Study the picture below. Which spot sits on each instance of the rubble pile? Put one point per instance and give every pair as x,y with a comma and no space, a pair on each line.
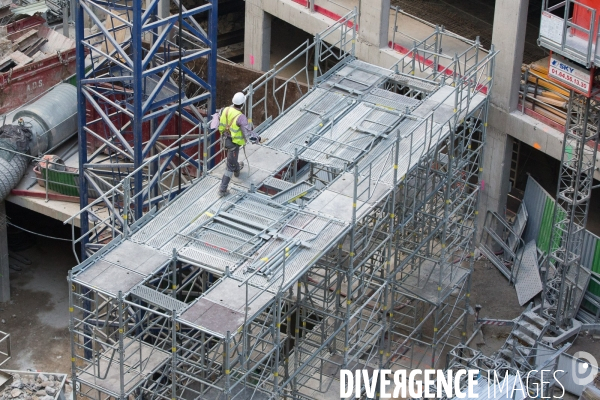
33,387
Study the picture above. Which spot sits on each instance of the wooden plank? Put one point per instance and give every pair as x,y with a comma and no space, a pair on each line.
20,58
540,109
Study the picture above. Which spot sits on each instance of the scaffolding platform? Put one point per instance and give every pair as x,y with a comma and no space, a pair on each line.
121,269
344,242
432,282
224,309
260,164
140,361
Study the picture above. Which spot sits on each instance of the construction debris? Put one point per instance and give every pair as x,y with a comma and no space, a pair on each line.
33,386
33,59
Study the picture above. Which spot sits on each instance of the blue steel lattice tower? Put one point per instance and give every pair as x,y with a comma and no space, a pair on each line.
144,78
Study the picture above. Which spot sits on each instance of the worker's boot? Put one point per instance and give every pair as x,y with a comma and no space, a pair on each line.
237,173
224,183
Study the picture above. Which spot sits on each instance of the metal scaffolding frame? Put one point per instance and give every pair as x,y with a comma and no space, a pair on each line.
351,248
496,374
131,108
566,279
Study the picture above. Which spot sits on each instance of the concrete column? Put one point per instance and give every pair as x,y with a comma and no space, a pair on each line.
374,22
509,40
257,37
162,12
4,267
508,37
496,172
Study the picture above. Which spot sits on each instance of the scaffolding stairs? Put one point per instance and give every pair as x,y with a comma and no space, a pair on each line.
531,335
519,350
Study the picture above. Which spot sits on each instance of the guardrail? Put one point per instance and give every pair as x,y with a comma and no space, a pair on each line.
543,99
569,28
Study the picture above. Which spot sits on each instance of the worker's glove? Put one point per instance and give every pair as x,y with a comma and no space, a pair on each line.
254,140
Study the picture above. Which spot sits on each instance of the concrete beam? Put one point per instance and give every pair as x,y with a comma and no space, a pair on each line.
508,37
257,37
313,23
532,132
374,22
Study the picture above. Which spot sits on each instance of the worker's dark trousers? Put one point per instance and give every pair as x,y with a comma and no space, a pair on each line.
232,165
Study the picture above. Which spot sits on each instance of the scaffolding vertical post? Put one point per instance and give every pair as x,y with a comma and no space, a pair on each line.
121,350
173,354
174,273
72,333
317,55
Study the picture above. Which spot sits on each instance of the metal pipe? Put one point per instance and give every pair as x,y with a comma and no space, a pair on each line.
40,126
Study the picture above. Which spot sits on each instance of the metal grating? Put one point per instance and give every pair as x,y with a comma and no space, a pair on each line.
226,242
212,258
528,283
278,183
175,208
291,114
295,127
390,99
352,136
178,223
293,193
158,299
415,83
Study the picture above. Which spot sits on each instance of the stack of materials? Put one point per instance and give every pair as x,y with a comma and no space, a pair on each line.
546,98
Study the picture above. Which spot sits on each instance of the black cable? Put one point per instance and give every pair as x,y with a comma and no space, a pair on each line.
38,234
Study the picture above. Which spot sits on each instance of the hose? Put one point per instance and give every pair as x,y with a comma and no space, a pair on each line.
11,170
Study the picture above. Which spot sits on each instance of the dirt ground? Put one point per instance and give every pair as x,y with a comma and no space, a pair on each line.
498,300
37,317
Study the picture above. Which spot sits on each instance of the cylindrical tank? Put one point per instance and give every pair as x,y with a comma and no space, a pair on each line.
45,123
53,117
582,17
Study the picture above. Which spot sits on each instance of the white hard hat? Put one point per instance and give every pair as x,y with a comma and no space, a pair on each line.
239,98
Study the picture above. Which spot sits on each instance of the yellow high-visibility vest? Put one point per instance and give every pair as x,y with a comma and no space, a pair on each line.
228,122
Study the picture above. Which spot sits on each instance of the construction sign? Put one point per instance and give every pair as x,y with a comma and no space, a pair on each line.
568,73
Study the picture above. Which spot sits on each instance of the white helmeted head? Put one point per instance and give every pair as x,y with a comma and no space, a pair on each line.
238,99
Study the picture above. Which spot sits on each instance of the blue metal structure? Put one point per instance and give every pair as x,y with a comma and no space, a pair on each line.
134,69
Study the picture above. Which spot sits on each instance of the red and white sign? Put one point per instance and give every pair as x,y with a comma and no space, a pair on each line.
576,77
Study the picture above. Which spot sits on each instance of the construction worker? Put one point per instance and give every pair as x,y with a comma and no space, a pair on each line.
234,128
